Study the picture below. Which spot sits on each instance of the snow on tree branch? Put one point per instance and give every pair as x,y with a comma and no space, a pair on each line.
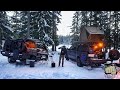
9,28
46,23
47,38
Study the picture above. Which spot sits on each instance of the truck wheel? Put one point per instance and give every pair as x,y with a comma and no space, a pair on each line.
79,63
46,56
67,58
32,63
10,60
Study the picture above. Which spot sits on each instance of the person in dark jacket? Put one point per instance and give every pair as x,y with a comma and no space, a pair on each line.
62,55
16,50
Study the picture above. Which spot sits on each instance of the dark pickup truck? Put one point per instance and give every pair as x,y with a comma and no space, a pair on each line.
24,50
89,48
81,54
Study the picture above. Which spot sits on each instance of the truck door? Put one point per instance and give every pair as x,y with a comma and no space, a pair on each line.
70,52
82,52
78,51
73,53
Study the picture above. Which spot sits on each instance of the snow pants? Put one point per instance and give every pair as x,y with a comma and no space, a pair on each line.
15,54
61,57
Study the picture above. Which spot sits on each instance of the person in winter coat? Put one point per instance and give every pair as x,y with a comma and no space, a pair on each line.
62,55
16,50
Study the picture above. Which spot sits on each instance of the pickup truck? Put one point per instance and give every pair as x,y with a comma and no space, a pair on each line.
80,53
24,50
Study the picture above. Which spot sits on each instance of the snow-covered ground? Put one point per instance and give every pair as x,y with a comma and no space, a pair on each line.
45,71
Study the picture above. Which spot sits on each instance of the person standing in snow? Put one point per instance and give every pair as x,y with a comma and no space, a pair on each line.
62,55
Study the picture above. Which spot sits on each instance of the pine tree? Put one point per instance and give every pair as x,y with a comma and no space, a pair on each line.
55,21
24,24
36,25
105,26
76,26
5,30
115,28
41,23
15,21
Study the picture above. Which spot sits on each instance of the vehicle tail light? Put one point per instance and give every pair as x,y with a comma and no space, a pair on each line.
95,47
100,45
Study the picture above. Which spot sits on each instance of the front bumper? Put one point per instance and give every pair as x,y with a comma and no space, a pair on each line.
5,53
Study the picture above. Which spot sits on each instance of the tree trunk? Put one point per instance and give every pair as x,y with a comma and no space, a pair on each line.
1,39
53,45
54,33
28,27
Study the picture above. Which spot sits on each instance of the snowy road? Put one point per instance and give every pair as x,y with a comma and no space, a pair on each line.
44,71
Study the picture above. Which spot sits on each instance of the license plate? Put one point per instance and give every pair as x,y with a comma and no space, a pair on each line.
91,55
96,59
43,56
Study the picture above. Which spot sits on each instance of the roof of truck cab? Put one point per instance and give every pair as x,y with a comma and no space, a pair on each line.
94,30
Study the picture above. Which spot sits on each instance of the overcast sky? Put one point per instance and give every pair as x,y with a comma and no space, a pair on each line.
66,21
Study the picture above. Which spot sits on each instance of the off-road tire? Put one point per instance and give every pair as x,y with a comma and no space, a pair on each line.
32,63
10,60
79,63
